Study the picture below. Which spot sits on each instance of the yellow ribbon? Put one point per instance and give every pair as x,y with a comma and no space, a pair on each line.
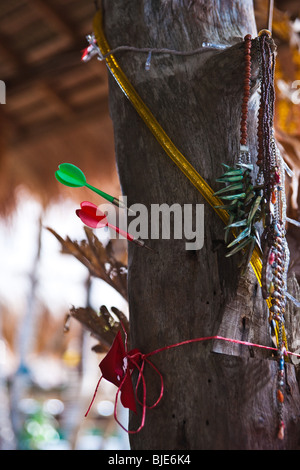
183,164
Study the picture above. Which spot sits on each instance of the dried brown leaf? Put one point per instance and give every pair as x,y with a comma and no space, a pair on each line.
102,326
99,260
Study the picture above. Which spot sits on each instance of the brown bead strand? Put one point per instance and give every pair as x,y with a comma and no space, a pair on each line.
260,154
275,231
246,90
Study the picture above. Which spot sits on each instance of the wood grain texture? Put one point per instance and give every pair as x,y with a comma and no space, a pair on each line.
216,397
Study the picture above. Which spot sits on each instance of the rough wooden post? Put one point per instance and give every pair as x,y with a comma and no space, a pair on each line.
216,396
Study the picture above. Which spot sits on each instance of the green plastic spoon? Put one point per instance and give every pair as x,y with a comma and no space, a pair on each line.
70,175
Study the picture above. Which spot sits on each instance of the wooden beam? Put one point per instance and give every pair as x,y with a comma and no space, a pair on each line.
63,62
10,54
58,21
97,111
32,74
62,106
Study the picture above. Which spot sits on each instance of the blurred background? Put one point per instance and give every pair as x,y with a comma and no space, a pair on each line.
56,111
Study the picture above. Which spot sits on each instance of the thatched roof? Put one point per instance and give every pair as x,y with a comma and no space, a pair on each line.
56,106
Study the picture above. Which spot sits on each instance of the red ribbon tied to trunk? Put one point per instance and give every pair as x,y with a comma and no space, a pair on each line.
117,367
119,364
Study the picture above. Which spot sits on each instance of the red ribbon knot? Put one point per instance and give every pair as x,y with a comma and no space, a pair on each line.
117,367
119,364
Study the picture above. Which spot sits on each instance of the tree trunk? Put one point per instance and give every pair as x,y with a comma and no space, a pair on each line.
216,395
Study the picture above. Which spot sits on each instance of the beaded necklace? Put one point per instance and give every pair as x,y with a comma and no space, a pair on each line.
262,201
274,244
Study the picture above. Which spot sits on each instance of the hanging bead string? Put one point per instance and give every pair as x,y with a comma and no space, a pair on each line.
270,176
246,91
275,257
266,109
